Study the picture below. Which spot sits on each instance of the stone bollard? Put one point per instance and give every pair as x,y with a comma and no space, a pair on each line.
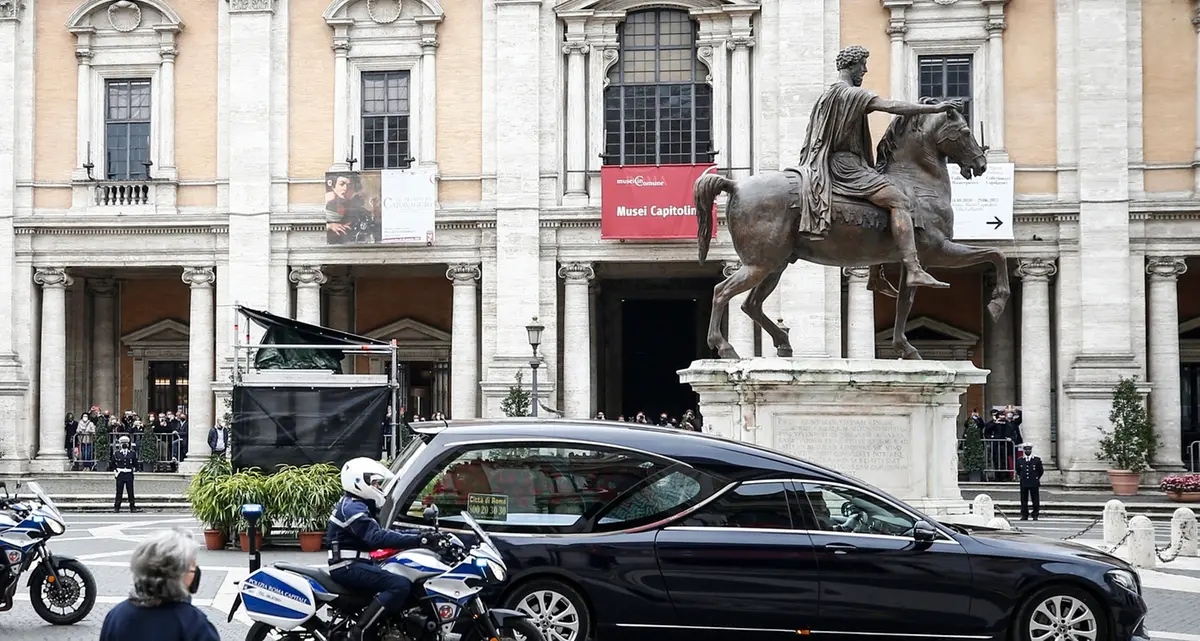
1183,526
1140,545
999,524
1116,522
983,507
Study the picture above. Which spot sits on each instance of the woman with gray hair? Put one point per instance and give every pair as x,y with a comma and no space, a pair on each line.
160,607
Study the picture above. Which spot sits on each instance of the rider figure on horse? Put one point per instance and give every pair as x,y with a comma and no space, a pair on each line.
837,159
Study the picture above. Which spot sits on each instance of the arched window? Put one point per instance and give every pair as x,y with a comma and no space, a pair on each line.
657,106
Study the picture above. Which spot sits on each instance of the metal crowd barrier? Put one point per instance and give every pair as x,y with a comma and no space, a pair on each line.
1192,456
999,458
168,450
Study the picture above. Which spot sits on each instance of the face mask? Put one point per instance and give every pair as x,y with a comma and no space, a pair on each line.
195,585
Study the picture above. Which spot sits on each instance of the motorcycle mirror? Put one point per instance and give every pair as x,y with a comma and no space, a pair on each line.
431,514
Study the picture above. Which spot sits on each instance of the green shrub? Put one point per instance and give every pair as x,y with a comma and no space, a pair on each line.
1132,443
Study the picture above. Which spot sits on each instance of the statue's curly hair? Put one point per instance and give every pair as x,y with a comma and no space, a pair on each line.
851,56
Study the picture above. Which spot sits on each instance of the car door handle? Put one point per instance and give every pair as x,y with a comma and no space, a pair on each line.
840,548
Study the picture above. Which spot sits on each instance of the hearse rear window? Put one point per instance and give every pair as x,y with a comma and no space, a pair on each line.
536,488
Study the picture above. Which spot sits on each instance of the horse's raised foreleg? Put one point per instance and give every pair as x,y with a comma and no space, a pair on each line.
753,308
878,282
746,277
952,254
904,303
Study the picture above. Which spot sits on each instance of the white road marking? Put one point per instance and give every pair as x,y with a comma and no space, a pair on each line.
1162,581
226,594
1175,636
113,600
103,555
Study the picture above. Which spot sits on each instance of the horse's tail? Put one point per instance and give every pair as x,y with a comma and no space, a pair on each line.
705,194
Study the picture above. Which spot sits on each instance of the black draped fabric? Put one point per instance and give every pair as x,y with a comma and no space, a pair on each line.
286,331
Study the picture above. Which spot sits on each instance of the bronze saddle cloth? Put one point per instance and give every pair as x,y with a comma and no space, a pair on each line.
848,211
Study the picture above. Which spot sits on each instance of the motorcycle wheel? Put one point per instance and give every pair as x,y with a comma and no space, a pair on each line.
514,630
74,582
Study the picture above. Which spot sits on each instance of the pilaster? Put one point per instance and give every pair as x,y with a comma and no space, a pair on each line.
996,26
576,50
860,314
740,134
577,334
103,292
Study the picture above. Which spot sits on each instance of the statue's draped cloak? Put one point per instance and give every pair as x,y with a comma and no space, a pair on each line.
837,156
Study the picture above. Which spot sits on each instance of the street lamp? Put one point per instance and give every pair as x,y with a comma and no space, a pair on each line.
535,338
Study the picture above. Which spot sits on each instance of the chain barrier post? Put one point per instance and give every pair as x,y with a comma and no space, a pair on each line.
999,524
984,507
1184,531
1116,523
1142,552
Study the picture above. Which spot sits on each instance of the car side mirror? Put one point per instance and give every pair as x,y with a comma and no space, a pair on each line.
923,532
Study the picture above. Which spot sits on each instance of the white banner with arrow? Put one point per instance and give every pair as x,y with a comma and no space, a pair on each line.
983,206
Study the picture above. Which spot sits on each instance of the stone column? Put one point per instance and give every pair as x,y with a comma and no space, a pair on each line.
1000,353
741,326
577,337
201,354
52,392
308,280
897,28
739,106
165,168
104,342
464,341
341,310
1164,274
576,122
83,115
860,314
428,152
341,105
995,85
1035,352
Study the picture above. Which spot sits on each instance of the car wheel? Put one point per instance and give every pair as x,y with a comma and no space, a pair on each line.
1061,613
556,608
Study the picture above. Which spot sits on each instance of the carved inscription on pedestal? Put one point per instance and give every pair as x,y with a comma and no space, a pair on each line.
875,449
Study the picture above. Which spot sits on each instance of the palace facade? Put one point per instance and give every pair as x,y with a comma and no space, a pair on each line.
162,161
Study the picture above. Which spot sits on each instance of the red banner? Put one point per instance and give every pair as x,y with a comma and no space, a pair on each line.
649,201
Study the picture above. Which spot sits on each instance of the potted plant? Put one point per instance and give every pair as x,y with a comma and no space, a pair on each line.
245,487
518,401
973,460
1131,444
1182,488
324,487
202,495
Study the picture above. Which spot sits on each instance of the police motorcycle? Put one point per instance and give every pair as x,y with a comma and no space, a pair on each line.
285,600
61,589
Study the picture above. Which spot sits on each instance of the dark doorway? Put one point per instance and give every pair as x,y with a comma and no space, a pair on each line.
659,340
649,329
168,388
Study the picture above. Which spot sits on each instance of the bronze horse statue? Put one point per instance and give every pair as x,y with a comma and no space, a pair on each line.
764,228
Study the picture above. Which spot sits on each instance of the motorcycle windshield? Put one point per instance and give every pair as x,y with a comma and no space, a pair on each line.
474,525
46,500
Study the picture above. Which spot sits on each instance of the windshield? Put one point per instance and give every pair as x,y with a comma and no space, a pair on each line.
474,525
41,496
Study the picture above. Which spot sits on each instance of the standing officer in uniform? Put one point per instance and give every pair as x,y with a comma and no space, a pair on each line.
1029,472
123,462
353,533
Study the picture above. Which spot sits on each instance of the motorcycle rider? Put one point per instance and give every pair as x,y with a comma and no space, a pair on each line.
354,533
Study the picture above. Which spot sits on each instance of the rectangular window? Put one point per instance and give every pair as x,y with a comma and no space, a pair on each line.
842,509
385,111
658,106
762,506
946,77
127,115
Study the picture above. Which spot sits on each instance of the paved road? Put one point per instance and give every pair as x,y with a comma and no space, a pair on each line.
104,542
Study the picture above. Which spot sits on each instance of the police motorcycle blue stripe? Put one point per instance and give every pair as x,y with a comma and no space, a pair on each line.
413,564
263,581
259,606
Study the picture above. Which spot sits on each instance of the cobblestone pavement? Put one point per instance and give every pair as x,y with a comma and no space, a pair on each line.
104,542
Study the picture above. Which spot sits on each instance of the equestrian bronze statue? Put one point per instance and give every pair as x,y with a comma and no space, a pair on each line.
839,208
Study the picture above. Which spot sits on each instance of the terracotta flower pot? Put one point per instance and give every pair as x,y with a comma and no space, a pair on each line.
245,541
215,540
1184,497
1124,482
311,541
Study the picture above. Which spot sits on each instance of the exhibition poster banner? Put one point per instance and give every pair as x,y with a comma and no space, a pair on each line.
650,202
983,205
389,206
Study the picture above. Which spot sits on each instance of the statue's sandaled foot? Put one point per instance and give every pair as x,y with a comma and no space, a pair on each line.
918,277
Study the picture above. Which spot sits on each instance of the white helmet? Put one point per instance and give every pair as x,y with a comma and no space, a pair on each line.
366,478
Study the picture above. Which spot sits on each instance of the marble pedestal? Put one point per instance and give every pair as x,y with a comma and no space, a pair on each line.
889,423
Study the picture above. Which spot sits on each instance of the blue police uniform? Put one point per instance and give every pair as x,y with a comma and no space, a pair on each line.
1029,472
353,534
